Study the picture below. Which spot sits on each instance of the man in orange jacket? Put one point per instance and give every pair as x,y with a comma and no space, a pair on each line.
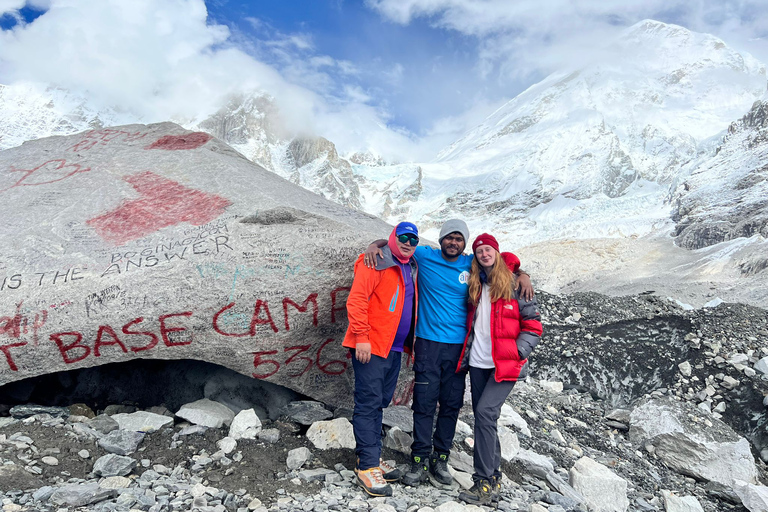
381,308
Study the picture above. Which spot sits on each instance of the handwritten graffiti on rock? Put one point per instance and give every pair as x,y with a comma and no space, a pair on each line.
151,257
104,137
180,142
162,203
12,282
46,173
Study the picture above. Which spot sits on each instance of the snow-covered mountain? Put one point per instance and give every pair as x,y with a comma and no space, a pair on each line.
660,134
726,194
592,152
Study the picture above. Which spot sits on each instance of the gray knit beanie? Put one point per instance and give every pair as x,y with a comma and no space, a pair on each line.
454,226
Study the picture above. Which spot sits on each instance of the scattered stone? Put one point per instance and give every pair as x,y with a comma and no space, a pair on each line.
80,495
753,497
25,411
450,506
551,386
730,383
315,475
685,368
227,445
510,418
306,412
142,421
603,490
115,482
398,416
81,410
113,465
14,478
50,461
269,435
398,440
762,365
335,433
537,464
103,424
674,503
298,457
245,425
121,442
510,445
717,454
206,413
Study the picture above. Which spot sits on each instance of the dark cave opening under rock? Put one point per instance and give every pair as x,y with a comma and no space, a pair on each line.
146,383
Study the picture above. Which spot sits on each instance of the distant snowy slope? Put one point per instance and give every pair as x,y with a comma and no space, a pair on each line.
726,195
590,152
29,112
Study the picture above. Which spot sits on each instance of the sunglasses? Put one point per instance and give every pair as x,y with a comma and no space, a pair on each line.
408,239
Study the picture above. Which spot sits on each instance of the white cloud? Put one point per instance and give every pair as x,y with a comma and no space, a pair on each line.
164,59
527,38
10,6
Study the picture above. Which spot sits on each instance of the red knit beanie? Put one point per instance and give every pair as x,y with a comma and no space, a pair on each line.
485,239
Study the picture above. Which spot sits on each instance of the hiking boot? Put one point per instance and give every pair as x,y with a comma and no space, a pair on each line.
478,494
389,472
438,467
372,481
418,473
495,489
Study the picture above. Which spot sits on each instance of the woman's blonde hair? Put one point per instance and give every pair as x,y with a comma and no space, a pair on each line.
501,281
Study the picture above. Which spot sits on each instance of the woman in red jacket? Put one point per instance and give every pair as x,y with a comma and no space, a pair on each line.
503,329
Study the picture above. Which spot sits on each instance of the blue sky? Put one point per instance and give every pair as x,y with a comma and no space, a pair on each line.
401,77
352,32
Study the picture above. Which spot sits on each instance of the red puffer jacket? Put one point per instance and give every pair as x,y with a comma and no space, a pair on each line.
515,331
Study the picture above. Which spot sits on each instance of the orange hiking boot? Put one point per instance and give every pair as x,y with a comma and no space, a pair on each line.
372,481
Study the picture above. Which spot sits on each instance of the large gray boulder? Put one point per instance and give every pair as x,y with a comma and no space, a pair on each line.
683,438
155,242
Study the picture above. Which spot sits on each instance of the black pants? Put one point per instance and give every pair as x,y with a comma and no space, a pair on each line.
436,382
487,398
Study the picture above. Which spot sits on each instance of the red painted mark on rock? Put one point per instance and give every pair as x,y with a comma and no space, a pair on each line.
163,203
16,325
49,172
177,142
104,137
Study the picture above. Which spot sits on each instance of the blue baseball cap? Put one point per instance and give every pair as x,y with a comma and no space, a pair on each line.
406,228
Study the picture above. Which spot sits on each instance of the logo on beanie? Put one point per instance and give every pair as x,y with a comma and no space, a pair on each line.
464,277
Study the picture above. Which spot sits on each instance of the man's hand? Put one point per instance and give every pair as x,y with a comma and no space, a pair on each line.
369,257
524,285
363,352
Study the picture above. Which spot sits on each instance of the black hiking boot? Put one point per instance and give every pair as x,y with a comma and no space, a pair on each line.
418,473
495,489
478,494
438,468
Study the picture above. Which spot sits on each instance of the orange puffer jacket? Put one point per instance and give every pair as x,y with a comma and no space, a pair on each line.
375,305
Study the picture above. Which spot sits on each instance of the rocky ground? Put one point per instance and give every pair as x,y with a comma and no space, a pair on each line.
602,361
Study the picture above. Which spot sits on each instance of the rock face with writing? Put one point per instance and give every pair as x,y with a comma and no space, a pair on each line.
155,242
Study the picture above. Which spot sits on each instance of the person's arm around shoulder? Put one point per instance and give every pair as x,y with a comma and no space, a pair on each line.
531,328
373,250
524,285
363,285
523,279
